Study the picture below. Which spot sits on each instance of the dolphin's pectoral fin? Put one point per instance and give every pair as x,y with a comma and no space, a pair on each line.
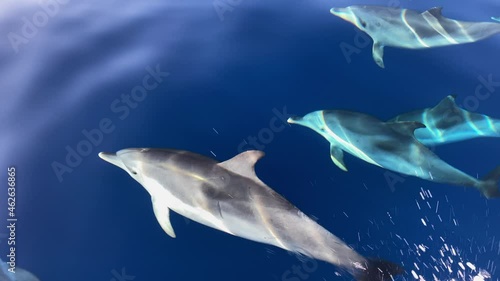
378,54
162,214
337,156
244,163
436,11
406,127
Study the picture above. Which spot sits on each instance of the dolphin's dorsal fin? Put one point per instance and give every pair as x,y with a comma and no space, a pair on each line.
445,106
162,214
244,163
436,11
337,156
406,127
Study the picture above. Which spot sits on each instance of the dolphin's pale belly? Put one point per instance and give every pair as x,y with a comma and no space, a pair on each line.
404,37
410,41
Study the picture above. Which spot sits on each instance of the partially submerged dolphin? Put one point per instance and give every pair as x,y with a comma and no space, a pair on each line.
446,123
19,274
229,196
390,145
409,29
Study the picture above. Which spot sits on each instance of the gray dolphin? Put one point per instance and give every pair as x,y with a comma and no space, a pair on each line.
390,145
409,29
19,274
229,196
446,123
495,18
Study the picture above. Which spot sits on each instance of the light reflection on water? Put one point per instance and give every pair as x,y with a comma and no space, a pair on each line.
81,50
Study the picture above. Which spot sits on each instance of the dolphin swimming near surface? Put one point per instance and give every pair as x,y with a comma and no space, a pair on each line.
496,18
446,123
229,197
390,145
409,29
19,275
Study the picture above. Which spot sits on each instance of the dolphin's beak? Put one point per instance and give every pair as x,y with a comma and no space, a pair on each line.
344,13
295,120
111,158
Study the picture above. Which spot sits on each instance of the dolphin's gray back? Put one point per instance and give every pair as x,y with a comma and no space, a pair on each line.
212,184
365,131
435,30
412,29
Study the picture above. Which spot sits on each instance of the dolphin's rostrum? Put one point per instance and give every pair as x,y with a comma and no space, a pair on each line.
229,196
390,145
409,29
447,123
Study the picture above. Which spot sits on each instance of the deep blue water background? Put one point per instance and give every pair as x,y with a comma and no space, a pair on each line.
226,77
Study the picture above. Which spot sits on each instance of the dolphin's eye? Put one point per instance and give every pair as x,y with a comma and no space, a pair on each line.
363,23
133,173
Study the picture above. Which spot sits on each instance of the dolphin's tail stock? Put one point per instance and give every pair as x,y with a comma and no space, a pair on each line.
379,270
489,184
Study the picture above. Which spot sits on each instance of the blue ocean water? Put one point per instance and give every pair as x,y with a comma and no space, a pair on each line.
226,72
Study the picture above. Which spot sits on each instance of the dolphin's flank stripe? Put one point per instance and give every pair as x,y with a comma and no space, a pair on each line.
268,226
472,125
491,124
434,23
463,30
354,149
405,21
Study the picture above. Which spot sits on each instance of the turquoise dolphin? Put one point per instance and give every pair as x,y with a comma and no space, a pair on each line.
447,123
409,29
389,145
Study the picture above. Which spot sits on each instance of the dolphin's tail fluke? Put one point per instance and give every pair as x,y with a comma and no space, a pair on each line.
379,270
489,184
